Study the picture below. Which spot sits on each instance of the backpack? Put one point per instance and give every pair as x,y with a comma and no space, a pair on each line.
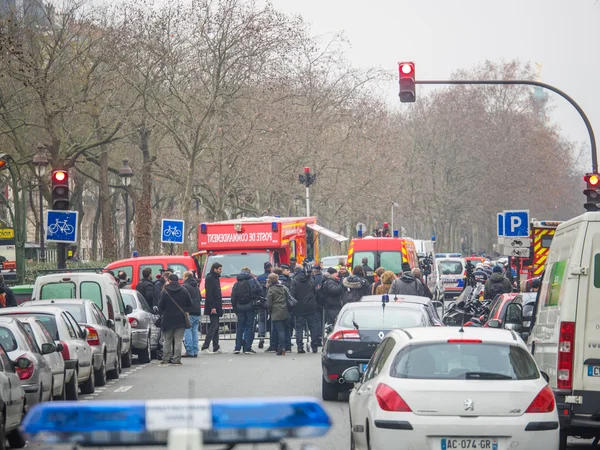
246,298
496,288
320,295
352,295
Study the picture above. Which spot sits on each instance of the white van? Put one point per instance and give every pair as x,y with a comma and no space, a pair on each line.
565,339
102,289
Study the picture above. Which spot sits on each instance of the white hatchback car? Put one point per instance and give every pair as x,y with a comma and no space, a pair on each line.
443,388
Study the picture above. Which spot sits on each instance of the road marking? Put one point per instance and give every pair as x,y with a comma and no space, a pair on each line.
123,389
88,398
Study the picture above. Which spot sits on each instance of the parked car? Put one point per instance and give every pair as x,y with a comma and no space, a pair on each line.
42,336
144,334
100,335
434,308
76,352
102,289
452,272
12,399
36,378
498,310
22,292
332,261
358,330
451,388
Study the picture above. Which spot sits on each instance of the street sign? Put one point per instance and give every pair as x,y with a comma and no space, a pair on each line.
172,231
61,226
516,223
361,226
500,230
519,242
518,252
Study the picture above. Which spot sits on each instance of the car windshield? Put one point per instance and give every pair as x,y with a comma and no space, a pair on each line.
391,261
48,320
61,289
477,361
451,267
374,317
77,311
233,262
129,299
7,339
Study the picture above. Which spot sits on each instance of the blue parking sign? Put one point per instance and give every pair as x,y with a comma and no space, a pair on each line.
516,223
500,224
172,231
61,226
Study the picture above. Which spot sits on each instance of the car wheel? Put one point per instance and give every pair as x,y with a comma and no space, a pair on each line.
15,439
63,392
100,374
145,356
126,359
114,373
90,385
72,388
329,391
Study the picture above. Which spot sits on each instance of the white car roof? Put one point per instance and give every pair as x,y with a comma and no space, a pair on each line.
442,334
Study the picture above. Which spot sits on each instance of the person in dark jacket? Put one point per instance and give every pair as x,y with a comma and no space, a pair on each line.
277,307
318,278
245,291
419,276
191,334
355,288
262,313
407,284
160,283
303,290
123,280
286,277
146,287
369,274
174,302
497,284
10,296
213,308
333,289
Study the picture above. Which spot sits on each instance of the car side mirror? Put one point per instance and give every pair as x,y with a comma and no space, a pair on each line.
545,376
128,309
494,323
110,324
514,314
351,375
22,363
48,348
59,347
328,328
84,333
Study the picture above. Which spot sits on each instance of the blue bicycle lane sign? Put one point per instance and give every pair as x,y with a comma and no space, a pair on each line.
61,226
172,231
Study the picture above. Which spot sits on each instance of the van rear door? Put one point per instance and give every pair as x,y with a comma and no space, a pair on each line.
591,344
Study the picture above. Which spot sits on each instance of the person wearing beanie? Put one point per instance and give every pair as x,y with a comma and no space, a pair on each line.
262,313
497,284
174,302
387,278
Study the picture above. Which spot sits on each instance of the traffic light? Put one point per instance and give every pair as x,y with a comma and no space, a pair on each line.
592,192
408,92
60,190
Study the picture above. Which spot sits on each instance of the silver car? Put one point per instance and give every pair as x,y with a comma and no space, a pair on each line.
12,397
101,336
145,335
36,379
42,336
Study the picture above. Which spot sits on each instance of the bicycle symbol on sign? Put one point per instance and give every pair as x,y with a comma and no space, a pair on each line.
172,231
62,226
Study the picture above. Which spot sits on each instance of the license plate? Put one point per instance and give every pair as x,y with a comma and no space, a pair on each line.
449,280
593,371
469,443
363,368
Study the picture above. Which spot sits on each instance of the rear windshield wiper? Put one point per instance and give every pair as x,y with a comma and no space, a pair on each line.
354,324
486,376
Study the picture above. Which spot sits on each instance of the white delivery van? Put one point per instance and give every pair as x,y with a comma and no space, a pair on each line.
565,339
102,289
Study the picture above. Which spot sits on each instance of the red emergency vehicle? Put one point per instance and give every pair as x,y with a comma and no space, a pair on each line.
387,252
542,233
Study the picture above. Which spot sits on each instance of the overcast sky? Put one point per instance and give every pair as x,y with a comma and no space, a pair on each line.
441,36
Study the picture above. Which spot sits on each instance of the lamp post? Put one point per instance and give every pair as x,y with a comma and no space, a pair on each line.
40,161
125,172
197,188
307,179
394,204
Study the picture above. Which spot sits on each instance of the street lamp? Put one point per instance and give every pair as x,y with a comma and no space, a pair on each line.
125,172
197,188
307,179
40,161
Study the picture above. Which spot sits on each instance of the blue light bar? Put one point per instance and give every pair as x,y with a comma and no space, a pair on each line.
126,422
274,226
396,233
360,233
203,228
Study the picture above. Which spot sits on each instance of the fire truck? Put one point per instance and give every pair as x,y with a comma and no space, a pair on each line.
253,241
541,236
388,252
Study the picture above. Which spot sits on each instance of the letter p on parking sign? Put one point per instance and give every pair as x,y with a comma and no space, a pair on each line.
516,223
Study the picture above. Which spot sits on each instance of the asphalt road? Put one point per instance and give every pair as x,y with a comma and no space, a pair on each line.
229,375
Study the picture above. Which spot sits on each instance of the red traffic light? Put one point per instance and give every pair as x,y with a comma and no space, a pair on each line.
60,175
407,68
594,180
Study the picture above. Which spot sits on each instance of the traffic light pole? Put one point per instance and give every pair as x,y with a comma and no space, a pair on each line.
61,255
564,95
